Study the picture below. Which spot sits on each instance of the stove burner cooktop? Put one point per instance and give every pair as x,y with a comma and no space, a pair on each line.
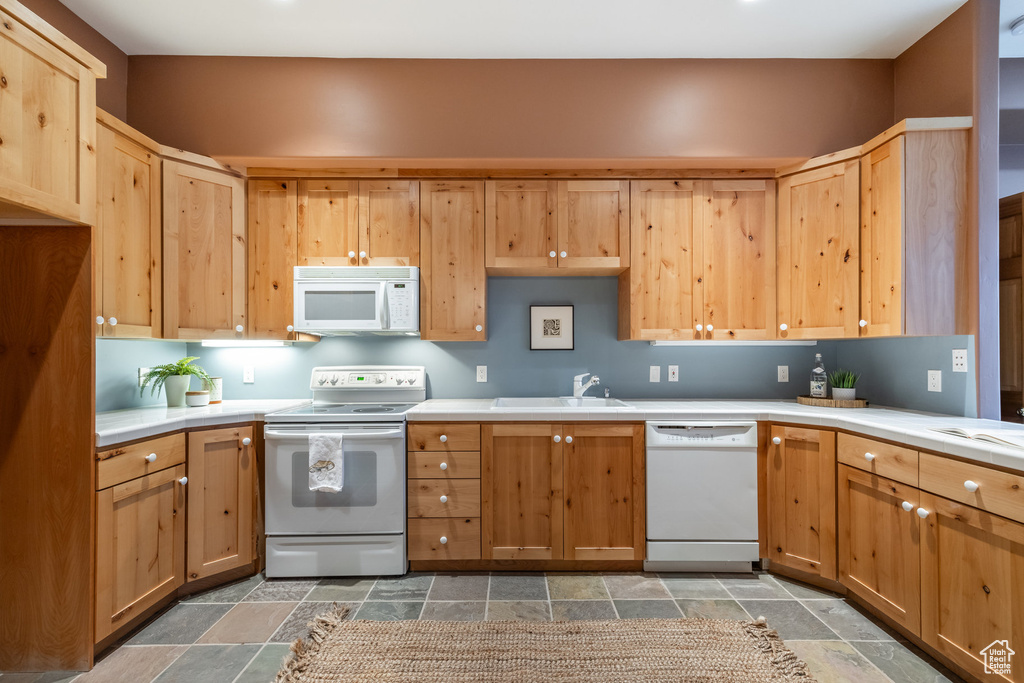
374,409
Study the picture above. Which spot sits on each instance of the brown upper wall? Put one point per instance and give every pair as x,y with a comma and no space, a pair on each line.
935,75
573,109
112,91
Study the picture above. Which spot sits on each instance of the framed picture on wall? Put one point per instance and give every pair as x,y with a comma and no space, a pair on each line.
551,328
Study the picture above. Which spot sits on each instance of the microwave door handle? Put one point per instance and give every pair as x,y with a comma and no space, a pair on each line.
385,318
345,434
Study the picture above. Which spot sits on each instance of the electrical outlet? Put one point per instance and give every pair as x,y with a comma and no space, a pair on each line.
481,373
655,373
248,374
783,373
673,373
142,375
935,380
959,360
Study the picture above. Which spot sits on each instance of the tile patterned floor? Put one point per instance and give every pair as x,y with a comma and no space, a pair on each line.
240,633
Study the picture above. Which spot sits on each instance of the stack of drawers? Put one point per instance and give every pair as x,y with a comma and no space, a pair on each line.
444,491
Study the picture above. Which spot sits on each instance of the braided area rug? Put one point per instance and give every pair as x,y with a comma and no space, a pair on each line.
649,650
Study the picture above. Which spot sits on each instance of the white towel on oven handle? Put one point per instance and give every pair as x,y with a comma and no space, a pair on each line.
326,462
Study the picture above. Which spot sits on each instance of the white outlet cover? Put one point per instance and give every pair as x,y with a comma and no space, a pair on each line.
959,360
935,380
673,373
248,374
655,373
481,373
783,373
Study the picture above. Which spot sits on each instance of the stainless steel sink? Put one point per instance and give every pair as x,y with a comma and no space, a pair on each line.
592,402
553,403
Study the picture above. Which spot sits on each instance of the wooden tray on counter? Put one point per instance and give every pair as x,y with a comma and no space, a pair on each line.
831,402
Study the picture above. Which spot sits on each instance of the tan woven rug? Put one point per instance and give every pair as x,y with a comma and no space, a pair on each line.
649,650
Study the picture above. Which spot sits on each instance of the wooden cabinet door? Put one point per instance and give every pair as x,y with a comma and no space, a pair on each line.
521,491
389,223
453,291
593,225
604,492
128,252
880,544
738,259
522,226
802,500
972,584
818,263
204,253
140,546
328,232
272,257
221,471
1011,306
881,240
661,296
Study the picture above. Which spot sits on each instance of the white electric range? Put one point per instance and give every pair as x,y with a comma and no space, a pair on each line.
361,529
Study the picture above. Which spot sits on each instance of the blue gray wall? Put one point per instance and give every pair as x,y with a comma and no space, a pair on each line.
894,370
117,370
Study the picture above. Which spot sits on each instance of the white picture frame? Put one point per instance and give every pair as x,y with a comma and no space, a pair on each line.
551,328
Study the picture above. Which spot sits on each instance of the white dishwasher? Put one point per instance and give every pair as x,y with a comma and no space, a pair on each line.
701,496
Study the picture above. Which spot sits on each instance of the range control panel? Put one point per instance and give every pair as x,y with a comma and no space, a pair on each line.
344,377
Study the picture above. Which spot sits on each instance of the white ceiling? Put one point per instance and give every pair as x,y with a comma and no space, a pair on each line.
517,29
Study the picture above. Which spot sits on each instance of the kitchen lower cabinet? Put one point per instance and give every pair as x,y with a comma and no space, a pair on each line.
801,506
221,472
880,544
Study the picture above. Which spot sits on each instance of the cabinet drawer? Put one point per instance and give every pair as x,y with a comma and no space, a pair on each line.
461,539
1000,493
118,465
883,459
427,465
444,437
461,498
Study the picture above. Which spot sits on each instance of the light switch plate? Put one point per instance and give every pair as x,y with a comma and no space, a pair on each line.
959,360
673,373
935,380
783,373
655,373
248,374
481,373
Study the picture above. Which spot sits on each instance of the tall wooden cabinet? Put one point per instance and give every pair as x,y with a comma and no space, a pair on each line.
453,282
204,252
1011,306
801,490
128,255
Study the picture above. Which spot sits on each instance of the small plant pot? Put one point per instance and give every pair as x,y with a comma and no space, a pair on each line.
175,387
217,389
195,399
840,394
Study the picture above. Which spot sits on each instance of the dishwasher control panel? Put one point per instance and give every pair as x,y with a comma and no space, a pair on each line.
699,434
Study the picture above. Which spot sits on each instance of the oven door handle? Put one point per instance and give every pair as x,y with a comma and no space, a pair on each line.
346,435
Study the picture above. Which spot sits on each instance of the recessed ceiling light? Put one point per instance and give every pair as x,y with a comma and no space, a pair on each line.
1017,27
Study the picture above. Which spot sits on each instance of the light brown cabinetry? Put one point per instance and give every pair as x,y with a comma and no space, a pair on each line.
389,222
817,252
702,261
453,290
221,472
48,113
880,544
328,231
877,457
204,252
128,257
801,490
272,256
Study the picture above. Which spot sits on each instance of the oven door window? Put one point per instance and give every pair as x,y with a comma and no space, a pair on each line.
359,490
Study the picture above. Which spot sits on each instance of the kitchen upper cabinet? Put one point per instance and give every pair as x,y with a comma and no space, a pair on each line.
521,502
140,546
522,227
801,487
272,257
593,226
221,477
913,216
389,223
880,544
328,230
204,252
972,583
453,291
817,254
127,252
48,121
603,470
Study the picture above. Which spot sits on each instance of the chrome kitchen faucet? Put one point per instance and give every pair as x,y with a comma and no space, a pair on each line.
579,388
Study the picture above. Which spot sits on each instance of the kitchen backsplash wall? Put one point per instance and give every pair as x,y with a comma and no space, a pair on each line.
894,369
117,370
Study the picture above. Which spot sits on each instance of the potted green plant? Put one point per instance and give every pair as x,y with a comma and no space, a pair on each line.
844,385
174,378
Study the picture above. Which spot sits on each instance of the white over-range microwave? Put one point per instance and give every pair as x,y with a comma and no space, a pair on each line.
357,299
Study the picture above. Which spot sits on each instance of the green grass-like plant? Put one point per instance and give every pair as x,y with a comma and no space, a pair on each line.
158,374
843,379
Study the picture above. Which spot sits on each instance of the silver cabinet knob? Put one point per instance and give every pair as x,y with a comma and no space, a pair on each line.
290,328
557,438
444,499
183,481
351,254
238,328
922,513
151,457
783,327
99,320
699,328
479,328
444,539
970,486
246,441
552,254
907,506
362,254
444,466
863,323
444,438
568,439
869,456
776,440
563,254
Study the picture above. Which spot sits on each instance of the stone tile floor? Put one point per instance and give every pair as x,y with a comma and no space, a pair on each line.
240,633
